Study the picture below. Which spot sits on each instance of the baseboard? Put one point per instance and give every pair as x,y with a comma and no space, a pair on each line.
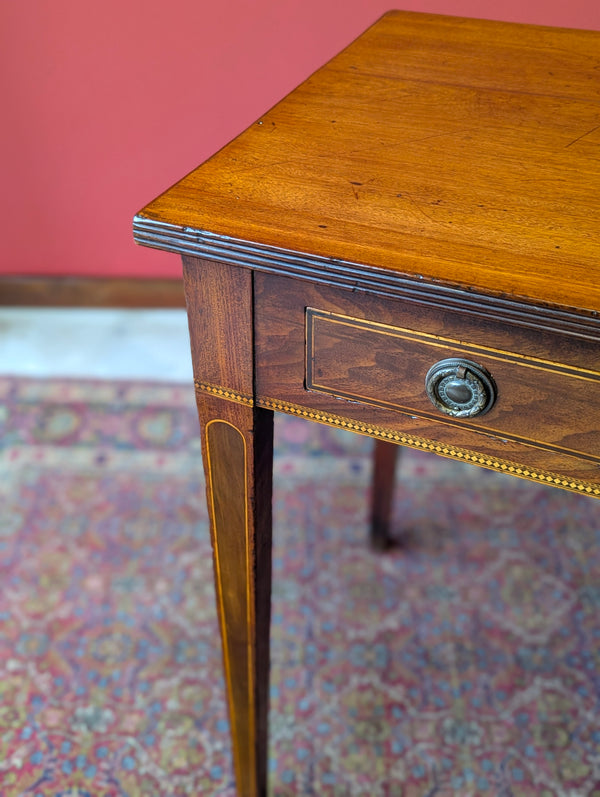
90,292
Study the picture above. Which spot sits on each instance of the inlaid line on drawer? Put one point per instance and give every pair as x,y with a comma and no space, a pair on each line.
313,315
385,366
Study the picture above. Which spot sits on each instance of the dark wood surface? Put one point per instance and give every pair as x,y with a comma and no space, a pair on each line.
449,151
237,446
382,493
16,291
540,400
545,423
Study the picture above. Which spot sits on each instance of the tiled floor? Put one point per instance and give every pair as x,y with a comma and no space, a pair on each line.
95,343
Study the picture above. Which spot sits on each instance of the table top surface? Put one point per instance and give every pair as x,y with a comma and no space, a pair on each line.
456,152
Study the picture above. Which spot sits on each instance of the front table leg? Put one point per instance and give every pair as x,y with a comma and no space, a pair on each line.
237,447
238,451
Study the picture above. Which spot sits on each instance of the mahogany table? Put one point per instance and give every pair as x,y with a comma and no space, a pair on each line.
407,246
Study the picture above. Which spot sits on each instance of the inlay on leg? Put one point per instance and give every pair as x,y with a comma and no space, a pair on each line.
237,445
237,448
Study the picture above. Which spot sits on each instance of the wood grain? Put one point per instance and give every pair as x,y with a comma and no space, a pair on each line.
447,151
540,400
219,309
237,445
531,429
382,493
90,292
227,469
238,451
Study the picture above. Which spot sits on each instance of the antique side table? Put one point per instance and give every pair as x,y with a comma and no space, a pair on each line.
407,246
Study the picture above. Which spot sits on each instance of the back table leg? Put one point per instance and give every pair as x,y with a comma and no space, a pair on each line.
384,471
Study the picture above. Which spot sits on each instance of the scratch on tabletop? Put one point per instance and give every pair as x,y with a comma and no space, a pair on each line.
583,135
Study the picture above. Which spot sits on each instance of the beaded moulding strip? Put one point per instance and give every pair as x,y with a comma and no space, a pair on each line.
401,438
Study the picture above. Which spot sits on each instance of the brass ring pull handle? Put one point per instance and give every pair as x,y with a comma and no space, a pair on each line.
460,388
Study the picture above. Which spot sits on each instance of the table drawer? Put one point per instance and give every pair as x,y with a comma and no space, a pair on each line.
361,362
536,400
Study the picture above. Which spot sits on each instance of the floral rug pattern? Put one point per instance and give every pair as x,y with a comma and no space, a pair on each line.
465,661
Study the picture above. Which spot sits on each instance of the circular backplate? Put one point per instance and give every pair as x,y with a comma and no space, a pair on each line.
460,388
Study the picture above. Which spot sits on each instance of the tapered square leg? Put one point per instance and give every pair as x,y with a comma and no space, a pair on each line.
237,448
382,494
238,451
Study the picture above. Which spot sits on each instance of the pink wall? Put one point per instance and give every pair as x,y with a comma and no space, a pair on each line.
107,103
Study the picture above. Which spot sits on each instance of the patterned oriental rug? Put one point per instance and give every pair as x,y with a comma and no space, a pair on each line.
466,662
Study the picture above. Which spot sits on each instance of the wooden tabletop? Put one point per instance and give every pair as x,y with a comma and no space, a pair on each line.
448,151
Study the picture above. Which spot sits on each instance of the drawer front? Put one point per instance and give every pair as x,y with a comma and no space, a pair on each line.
359,362
537,401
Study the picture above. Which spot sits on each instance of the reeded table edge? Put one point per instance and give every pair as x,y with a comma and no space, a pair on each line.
383,282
